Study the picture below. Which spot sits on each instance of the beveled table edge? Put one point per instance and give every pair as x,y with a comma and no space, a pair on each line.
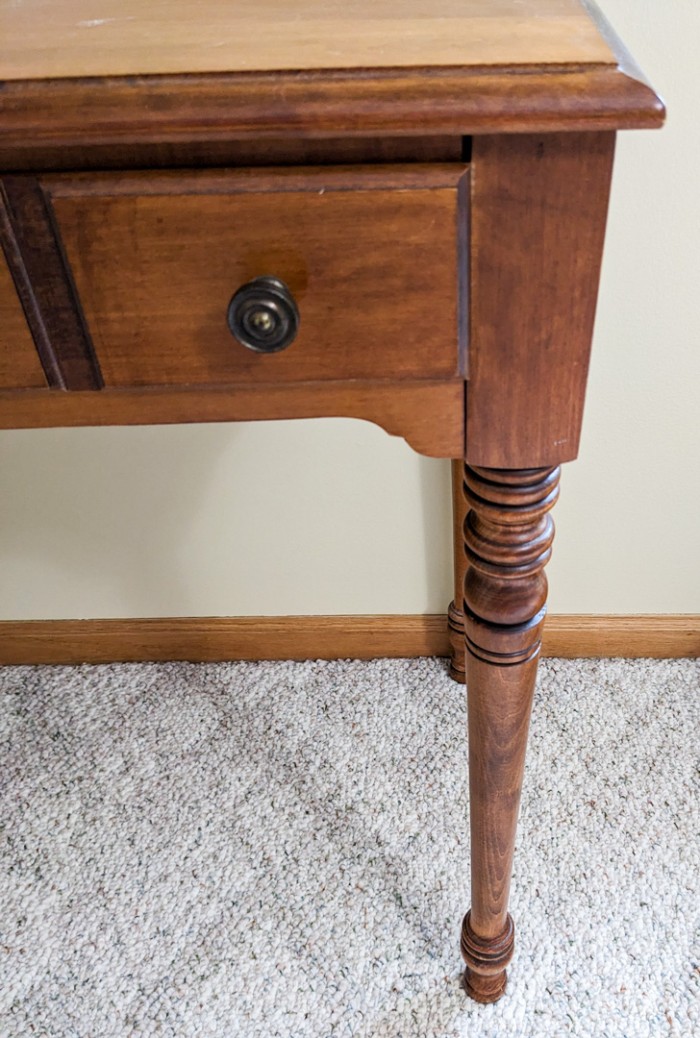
84,112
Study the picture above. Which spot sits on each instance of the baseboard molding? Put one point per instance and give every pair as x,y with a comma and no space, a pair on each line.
653,636
203,639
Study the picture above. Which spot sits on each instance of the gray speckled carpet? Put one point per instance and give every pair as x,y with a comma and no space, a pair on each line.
281,849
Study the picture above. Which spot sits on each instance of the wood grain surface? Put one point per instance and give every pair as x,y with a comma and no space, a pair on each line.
455,612
19,362
260,152
211,638
81,113
539,206
44,39
428,415
44,285
393,69
370,255
508,536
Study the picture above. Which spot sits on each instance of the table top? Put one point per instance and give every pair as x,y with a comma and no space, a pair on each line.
45,39
78,73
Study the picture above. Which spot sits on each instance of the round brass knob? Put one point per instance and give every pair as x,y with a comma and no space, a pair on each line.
263,315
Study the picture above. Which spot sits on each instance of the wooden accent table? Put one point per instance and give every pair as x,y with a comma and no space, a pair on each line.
379,210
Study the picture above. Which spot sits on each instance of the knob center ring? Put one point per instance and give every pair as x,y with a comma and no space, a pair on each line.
263,316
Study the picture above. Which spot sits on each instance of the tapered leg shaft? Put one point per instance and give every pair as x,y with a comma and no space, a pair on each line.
455,614
508,536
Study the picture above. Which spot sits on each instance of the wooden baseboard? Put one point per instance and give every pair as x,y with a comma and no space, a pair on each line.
660,636
202,639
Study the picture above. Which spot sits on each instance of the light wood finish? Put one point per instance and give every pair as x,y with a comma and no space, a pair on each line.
627,637
19,363
539,205
44,39
428,415
572,73
156,259
212,638
202,639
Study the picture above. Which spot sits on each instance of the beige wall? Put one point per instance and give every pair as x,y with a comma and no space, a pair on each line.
335,516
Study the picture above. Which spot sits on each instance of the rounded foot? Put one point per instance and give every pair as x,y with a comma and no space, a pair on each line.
485,976
484,989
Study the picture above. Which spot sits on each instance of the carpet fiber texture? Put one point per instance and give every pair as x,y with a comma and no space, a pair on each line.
281,849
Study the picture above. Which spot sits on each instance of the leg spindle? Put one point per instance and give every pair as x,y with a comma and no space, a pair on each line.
455,615
508,536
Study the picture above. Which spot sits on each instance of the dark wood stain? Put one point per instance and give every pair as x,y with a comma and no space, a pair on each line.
508,536
172,109
428,415
369,253
44,285
539,205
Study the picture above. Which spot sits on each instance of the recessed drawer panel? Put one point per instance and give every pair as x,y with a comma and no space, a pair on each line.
368,255
20,367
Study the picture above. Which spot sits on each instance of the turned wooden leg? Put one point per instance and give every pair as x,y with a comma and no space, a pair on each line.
508,536
455,614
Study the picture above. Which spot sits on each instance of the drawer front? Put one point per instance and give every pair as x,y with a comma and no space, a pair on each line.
20,367
370,256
